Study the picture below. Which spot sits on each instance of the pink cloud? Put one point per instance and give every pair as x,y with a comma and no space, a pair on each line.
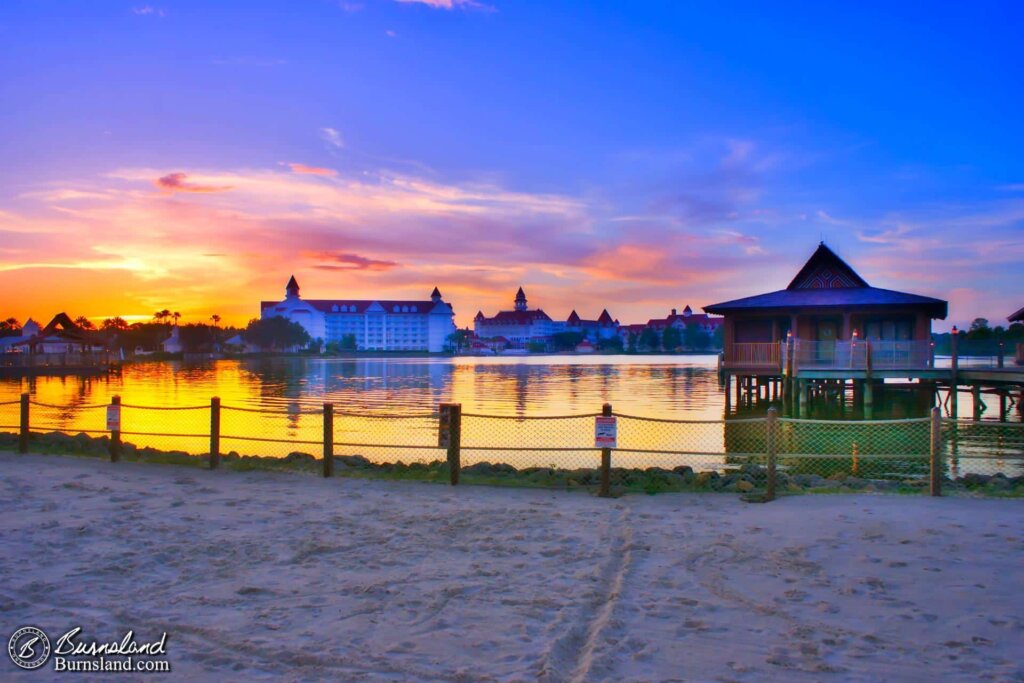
311,170
175,182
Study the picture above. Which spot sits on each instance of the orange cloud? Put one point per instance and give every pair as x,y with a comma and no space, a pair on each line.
175,182
303,169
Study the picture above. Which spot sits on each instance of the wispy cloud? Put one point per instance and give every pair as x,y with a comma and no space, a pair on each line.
303,169
332,137
450,4
353,262
176,182
149,10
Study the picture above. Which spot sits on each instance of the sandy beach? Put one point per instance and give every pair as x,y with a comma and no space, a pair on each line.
291,577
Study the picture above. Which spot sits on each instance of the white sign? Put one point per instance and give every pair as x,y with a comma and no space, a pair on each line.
605,432
113,418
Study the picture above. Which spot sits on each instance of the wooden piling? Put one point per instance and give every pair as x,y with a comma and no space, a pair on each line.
935,460
24,430
772,426
954,372
328,440
977,402
606,461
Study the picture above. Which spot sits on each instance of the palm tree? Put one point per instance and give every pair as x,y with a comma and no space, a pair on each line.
115,323
10,324
162,316
216,319
84,323
175,315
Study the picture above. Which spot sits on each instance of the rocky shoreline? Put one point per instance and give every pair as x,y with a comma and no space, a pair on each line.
743,479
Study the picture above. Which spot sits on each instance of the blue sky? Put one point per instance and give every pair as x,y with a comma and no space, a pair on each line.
634,156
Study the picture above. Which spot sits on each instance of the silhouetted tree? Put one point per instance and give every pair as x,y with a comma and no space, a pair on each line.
84,323
671,338
649,339
275,333
115,323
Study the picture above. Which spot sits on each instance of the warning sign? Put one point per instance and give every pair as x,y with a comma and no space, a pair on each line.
605,432
113,418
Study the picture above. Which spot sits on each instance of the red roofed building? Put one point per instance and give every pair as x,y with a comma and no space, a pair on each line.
596,330
520,325
681,321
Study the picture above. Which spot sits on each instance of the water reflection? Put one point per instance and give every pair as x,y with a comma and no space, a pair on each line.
660,387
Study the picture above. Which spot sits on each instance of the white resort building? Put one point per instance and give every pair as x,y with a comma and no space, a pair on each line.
376,325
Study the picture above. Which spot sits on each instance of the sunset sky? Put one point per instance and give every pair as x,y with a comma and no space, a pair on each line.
638,156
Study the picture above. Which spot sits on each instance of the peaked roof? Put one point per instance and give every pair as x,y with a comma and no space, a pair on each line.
573,317
520,294
826,281
292,283
516,317
1017,317
605,318
825,270
436,292
64,328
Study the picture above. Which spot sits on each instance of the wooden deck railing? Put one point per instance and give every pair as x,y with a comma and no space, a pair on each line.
753,355
884,355
853,355
40,360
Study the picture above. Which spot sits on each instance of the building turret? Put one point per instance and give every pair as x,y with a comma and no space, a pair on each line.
291,290
435,296
687,312
520,300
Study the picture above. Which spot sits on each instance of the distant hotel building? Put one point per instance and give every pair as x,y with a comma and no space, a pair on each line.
522,325
376,325
519,326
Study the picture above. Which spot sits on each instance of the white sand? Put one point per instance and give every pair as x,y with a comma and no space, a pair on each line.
283,576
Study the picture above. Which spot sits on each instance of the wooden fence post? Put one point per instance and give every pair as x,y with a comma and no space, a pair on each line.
23,435
936,452
454,441
328,440
214,432
606,461
115,435
772,426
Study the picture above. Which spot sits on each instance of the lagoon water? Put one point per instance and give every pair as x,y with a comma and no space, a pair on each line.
683,387
280,398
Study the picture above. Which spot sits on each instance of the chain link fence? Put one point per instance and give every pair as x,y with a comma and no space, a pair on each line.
983,458
886,450
648,454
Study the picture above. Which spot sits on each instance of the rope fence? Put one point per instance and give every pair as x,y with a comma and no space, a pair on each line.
607,451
